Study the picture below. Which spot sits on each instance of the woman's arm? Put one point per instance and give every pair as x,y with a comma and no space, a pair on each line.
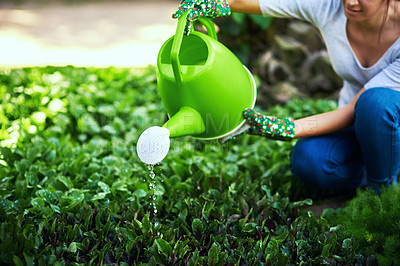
327,122
287,129
245,6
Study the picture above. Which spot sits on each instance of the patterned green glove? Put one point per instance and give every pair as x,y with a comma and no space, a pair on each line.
269,127
203,8
262,125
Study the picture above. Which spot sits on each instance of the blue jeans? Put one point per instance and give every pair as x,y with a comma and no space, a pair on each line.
367,153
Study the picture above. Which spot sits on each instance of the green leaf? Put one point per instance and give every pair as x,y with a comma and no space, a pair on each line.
213,254
249,228
17,261
140,193
197,226
181,248
111,161
99,196
76,194
48,195
87,124
244,220
263,22
231,170
104,187
55,208
56,106
146,223
244,205
326,251
29,259
107,110
119,186
282,237
22,166
238,17
65,181
7,206
39,118
28,230
303,202
163,246
72,247
37,203
347,243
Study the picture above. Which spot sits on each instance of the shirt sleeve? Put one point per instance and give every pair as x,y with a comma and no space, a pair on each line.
317,12
389,77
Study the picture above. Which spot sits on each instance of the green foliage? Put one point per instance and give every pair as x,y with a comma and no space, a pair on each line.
73,190
241,27
373,220
239,23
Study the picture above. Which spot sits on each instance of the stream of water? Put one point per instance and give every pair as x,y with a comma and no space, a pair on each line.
152,187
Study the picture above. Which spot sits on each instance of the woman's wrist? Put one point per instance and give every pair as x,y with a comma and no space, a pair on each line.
245,6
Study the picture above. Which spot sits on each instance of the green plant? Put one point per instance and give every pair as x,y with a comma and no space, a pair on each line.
73,190
373,220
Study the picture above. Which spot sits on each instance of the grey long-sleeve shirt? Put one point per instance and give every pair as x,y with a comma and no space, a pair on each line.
328,17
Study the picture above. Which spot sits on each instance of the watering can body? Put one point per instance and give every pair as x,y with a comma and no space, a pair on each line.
204,87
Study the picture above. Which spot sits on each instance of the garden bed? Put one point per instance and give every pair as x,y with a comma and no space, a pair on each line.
73,190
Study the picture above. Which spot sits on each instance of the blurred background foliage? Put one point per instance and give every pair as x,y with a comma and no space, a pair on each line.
287,56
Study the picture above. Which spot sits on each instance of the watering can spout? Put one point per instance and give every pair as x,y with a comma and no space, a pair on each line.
186,122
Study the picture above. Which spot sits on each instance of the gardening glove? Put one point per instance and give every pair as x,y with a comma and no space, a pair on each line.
266,126
202,8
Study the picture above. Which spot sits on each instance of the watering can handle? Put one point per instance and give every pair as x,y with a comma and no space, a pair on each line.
176,45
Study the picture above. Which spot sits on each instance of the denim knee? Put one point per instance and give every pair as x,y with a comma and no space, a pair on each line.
377,127
377,104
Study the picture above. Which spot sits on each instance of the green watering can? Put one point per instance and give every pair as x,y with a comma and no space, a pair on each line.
204,87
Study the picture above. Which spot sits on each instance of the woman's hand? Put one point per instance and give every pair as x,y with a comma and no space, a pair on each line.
266,126
203,8
269,126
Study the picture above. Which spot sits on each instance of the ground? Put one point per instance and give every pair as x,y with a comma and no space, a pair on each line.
101,34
